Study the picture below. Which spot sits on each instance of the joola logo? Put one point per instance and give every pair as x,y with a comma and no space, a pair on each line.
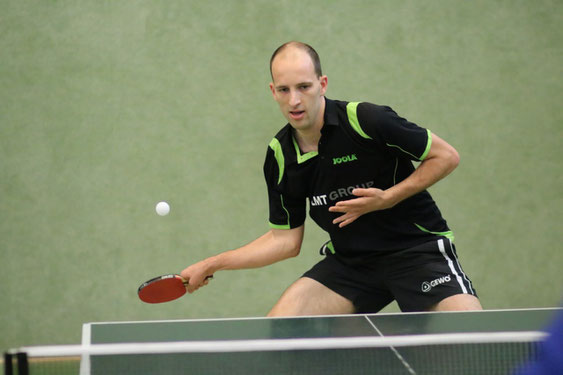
426,286
344,159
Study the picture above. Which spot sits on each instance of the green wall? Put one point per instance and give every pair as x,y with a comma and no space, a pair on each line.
107,107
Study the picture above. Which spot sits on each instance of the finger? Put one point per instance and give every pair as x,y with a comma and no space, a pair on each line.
343,223
342,206
346,218
192,285
339,208
346,203
359,192
338,220
342,218
362,192
347,221
351,203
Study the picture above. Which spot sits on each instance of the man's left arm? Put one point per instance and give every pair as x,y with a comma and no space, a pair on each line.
440,161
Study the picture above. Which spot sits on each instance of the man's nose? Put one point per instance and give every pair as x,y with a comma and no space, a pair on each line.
294,98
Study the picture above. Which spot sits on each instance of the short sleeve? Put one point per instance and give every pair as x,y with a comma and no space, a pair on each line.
285,211
400,136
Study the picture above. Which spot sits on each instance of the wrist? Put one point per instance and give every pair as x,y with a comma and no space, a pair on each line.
212,264
393,196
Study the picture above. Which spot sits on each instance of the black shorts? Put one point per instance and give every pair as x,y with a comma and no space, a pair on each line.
417,278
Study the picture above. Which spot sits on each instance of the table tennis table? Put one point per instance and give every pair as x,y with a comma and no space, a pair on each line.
343,361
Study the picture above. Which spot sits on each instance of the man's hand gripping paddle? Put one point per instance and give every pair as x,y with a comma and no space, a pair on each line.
163,288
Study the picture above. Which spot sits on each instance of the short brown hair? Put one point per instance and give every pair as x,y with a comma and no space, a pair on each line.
304,46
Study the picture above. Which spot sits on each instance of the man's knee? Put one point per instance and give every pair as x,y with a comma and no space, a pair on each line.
309,297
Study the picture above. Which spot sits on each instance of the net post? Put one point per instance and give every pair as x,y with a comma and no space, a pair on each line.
8,368
23,368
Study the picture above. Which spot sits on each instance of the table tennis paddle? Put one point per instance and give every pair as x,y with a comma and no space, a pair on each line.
163,288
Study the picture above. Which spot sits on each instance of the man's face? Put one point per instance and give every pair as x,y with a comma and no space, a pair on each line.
297,89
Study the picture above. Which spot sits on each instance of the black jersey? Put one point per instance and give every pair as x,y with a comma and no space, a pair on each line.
361,145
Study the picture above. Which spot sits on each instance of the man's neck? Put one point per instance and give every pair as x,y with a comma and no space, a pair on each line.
308,140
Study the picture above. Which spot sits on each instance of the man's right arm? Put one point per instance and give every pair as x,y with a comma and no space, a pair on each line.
274,246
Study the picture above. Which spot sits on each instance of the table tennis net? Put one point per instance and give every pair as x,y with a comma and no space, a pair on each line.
456,353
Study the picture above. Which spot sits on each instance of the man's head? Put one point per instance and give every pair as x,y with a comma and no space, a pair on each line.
298,85
305,47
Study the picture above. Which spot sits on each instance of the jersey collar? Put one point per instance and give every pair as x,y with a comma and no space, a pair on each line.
330,118
331,114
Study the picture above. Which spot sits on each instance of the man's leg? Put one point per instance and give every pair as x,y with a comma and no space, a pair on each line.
458,302
309,297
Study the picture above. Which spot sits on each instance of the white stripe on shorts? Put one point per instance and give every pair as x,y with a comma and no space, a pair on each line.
468,282
451,265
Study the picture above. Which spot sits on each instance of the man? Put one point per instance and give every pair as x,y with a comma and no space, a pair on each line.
353,162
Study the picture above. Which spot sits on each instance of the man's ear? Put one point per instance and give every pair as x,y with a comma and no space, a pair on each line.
324,84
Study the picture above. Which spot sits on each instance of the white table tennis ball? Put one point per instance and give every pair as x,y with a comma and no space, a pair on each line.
162,208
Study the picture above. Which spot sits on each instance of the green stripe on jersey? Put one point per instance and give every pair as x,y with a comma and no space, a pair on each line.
426,150
428,145
302,158
351,111
276,226
278,154
449,234
282,226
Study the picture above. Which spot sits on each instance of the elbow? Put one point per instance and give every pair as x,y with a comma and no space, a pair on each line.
453,159
288,242
294,250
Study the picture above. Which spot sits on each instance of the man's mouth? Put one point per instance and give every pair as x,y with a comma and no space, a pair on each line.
296,115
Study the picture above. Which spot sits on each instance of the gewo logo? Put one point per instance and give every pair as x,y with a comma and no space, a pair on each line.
426,286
